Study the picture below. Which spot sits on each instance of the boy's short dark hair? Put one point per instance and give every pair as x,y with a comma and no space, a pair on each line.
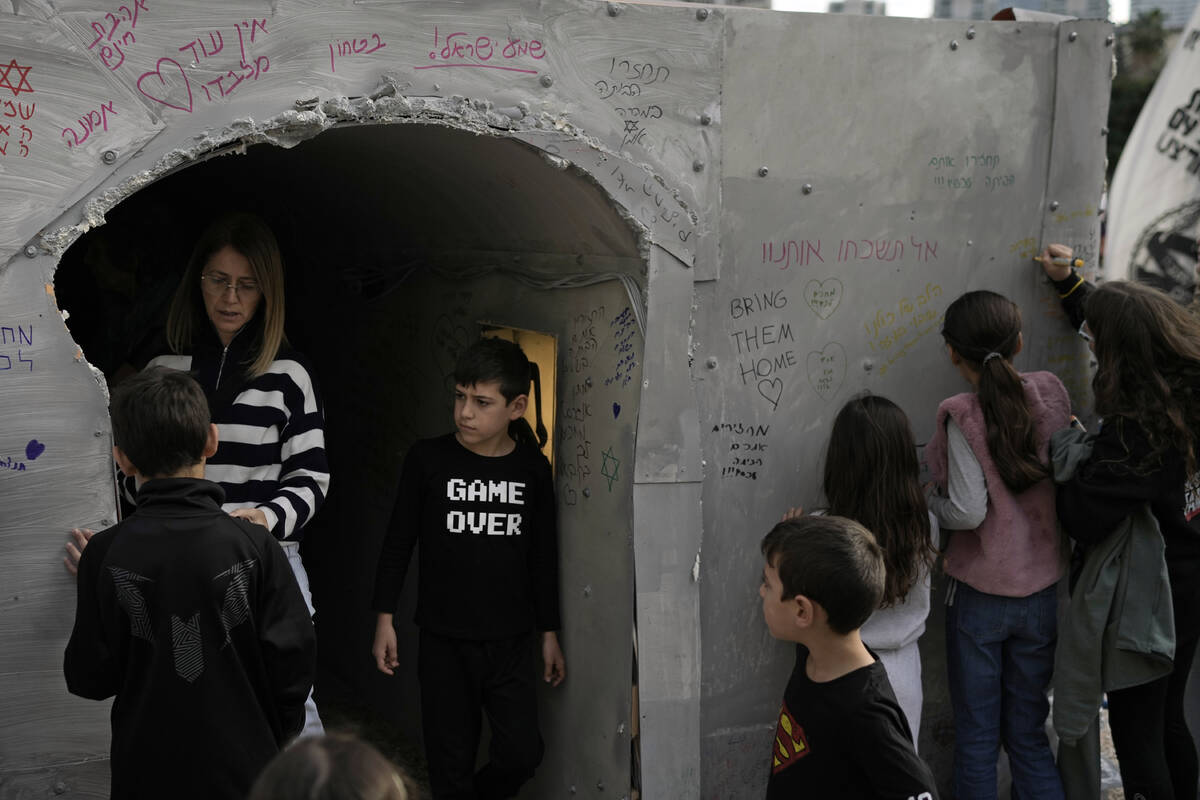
833,561
160,420
491,359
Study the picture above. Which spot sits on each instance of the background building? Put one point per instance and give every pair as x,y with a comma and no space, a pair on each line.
984,9
867,7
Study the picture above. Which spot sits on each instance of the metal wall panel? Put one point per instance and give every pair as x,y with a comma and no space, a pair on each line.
848,226
853,174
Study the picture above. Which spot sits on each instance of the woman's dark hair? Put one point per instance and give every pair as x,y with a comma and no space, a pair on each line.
977,325
1148,349
332,767
872,476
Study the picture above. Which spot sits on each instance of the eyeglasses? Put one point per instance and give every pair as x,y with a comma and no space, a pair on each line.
215,286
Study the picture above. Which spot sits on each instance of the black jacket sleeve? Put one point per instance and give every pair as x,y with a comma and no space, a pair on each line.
544,553
286,637
1111,485
90,664
1072,291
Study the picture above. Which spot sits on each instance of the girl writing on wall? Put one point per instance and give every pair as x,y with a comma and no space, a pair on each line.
1147,390
989,459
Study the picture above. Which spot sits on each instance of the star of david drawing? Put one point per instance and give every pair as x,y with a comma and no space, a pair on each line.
611,467
22,73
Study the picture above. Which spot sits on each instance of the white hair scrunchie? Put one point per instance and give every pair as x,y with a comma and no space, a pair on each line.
990,356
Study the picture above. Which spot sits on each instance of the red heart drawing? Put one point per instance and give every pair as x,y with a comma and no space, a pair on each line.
162,89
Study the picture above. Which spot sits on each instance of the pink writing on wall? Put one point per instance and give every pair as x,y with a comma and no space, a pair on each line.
359,47
785,253
168,83
482,52
15,78
96,118
112,52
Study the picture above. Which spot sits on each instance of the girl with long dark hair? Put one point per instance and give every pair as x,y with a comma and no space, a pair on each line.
989,458
872,476
1147,391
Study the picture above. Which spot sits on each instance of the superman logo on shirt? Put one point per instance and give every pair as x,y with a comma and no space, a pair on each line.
790,743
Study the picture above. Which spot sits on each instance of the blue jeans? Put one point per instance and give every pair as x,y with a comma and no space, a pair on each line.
1000,656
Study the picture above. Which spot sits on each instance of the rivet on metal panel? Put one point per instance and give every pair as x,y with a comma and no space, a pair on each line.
109,156
682,470
600,785
971,33
706,119
1072,36
588,381
620,728
646,383
1054,205
806,188
954,44
573,790
547,80
762,172
702,14
1104,131
868,364
587,492
60,788
697,166
31,250
613,9
970,242
1108,40
711,362
703,464
587,591
97,434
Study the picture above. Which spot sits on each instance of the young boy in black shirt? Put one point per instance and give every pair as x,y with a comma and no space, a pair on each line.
190,617
841,732
481,503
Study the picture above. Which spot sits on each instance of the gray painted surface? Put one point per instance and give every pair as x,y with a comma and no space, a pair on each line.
415,199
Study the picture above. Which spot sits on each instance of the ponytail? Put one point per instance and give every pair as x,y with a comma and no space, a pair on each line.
984,328
1011,430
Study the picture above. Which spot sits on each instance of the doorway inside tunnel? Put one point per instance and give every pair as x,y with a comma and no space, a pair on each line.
401,244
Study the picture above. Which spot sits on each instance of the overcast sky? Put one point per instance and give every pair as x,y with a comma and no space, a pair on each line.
921,8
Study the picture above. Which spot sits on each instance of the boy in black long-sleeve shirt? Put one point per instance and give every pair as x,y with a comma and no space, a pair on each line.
189,616
481,503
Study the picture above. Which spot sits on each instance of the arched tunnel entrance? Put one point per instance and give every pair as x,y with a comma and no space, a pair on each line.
401,244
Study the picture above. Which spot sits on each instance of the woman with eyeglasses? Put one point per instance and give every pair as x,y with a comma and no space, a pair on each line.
1147,389
225,326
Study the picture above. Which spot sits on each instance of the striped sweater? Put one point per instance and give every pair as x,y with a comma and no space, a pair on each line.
271,453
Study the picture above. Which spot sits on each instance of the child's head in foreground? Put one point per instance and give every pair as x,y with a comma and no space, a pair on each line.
332,767
161,423
833,563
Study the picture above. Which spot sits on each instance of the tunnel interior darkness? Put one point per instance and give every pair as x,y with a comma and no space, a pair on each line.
369,219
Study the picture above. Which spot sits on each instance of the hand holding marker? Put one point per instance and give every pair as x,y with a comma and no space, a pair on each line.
1066,262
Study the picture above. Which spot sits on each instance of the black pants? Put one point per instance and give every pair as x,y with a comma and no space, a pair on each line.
1154,746
459,678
